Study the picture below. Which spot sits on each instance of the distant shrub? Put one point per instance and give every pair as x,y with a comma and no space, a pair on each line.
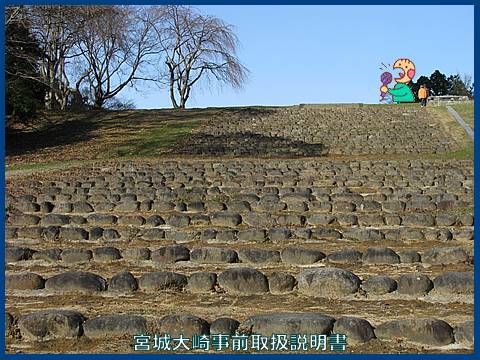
119,104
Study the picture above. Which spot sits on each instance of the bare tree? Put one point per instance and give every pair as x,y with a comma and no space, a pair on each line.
55,29
196,47
13,14
94,52
115,42
468,81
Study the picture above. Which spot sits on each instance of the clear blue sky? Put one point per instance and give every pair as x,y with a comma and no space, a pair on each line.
331,54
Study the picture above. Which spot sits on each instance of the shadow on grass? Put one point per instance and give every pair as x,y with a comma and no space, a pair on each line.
247,144
50,134
62,128
117,133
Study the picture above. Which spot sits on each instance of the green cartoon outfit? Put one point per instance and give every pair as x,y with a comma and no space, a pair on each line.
401,93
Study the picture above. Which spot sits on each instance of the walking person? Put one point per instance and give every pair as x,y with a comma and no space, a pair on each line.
423,94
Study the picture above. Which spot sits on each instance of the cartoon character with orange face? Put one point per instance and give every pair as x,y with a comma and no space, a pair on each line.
401,92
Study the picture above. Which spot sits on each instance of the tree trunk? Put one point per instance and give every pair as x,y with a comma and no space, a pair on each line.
63,101
172,97
184,91
49,100
98,103
50,94
182,103
99,97
172,90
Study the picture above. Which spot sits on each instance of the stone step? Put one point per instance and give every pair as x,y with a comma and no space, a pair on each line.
286,174
322,282
259,232
161,198
289,255
205,172
312,181
319,328
247,218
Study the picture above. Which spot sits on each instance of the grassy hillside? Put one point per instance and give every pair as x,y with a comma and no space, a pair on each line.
456,130
60,137
64,139
466,112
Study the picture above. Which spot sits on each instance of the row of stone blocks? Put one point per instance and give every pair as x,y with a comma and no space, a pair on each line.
232,220
311,181
240,170
316,185
345,188
281,175
213,255
261,145
246,235
271,181
270,204
380,192
57,324
147,171
326,282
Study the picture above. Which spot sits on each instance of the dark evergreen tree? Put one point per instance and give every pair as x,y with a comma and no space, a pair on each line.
439,84
457,86
23,95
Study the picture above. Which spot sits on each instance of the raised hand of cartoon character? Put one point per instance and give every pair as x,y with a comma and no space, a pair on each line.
386,78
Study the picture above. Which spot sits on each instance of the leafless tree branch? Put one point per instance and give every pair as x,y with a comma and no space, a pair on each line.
194,47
